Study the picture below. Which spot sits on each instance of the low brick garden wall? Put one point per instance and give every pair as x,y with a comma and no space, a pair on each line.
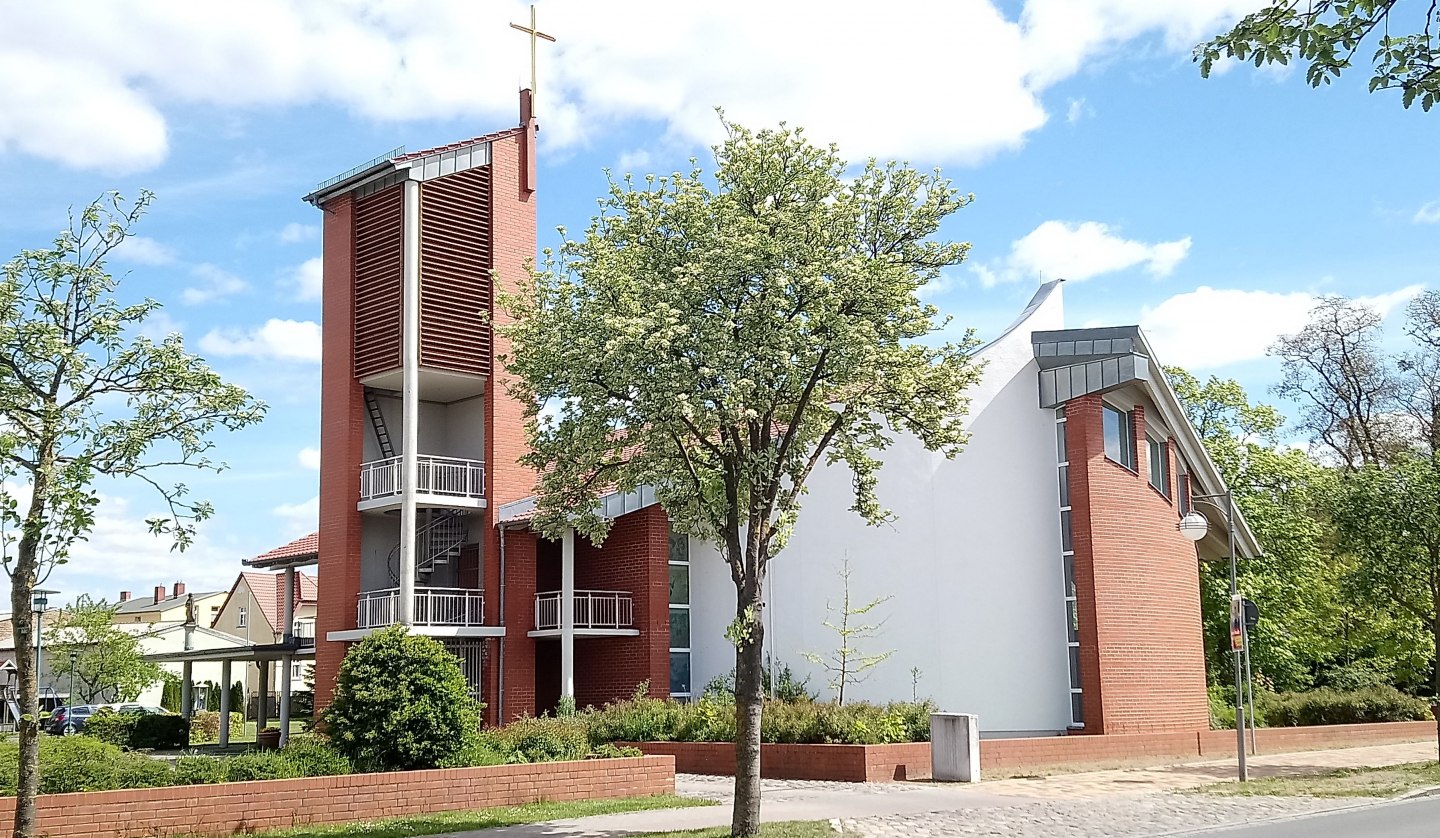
236,808
845,763
911,761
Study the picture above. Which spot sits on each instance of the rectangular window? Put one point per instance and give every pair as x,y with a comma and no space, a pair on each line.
242,617
1067,548
1120,436
1159,455
1182,490
679,615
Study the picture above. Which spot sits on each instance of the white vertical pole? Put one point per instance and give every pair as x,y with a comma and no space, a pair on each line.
410,400
187,690
225,703
285,700
567,614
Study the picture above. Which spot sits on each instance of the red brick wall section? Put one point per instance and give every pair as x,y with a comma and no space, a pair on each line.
342,428
512,225
634,557
519,699
1142,660
837,763
235,808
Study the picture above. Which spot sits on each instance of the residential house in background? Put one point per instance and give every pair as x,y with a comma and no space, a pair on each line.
254,611
167,606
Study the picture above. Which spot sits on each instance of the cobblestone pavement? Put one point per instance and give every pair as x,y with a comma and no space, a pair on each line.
1117,817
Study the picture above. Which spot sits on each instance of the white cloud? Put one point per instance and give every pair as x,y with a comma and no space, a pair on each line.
1210,327
300,518
632,161
140,250
295,232
160,325
277,340
123,61
215,284
1429,213
1066,250
309,458
1077,111
307,279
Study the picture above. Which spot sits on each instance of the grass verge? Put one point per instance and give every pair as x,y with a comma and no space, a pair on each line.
1344,782
783,829
447,822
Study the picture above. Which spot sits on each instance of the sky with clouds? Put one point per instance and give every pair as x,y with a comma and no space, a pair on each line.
1211,212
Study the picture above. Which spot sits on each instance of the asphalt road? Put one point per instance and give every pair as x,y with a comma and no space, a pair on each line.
1409,819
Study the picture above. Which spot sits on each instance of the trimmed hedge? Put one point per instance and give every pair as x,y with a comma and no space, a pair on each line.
642,719
138,731
1323,706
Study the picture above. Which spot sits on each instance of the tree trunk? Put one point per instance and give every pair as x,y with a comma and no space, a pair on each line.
22,587
749,703
23,579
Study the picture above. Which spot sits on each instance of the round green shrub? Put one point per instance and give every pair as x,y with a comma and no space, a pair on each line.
401,703
110,727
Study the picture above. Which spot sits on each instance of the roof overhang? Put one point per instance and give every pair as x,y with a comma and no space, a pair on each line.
1081,362
266,652
610,505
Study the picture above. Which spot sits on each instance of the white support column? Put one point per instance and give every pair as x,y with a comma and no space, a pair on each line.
285,700
187,690
410,400
262,714
225,707
567,614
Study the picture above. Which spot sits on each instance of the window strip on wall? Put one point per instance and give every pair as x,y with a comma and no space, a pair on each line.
1067,563
680,676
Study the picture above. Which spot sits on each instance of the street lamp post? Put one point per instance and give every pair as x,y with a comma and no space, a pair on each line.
40,599
69,717
1194,526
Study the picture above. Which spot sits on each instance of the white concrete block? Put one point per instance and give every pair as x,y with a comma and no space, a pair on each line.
955,747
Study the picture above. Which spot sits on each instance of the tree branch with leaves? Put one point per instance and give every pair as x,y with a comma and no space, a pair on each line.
84,397
720,339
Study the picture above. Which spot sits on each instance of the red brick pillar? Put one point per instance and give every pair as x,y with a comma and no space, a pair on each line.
342,428
1084,442
519,675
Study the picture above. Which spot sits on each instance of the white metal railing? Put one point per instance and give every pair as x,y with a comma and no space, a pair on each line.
593,610
304,631
433,607
451,476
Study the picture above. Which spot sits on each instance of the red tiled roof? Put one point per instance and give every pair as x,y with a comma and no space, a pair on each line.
483,138
307,545
269,592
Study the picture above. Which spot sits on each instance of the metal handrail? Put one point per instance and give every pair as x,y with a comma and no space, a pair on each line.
433,607
593,610
449,476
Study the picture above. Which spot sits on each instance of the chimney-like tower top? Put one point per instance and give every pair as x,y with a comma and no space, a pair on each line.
124,596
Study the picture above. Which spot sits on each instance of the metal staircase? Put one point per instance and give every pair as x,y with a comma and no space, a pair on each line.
377,423
437,542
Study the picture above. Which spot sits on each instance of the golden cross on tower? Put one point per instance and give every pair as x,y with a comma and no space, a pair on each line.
535,34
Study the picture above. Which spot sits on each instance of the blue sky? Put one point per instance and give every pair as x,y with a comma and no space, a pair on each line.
1209,211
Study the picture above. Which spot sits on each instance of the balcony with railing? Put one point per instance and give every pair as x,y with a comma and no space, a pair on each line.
597,613
434,608
304,632
448,482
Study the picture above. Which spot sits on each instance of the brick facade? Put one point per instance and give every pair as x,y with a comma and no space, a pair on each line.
236,808
1142,659
342,429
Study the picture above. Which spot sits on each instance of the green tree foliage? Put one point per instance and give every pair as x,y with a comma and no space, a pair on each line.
109,663
237,698
401,703
1280,492
1399,35
720,339
84,397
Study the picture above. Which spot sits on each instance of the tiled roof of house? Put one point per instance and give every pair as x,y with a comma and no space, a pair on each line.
305,545
269,592
135,605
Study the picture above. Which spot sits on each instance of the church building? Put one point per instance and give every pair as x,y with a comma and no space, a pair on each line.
1038,579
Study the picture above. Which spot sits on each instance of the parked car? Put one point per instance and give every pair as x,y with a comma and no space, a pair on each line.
71,720
66,721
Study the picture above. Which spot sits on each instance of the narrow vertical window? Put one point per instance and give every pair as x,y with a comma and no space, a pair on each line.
1119,427
1067,551
1159,455
680,616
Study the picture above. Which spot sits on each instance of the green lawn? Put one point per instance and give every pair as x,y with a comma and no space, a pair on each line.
1345,782
445,822
783,829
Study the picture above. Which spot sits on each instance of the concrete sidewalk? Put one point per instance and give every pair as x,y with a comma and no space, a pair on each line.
786,800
